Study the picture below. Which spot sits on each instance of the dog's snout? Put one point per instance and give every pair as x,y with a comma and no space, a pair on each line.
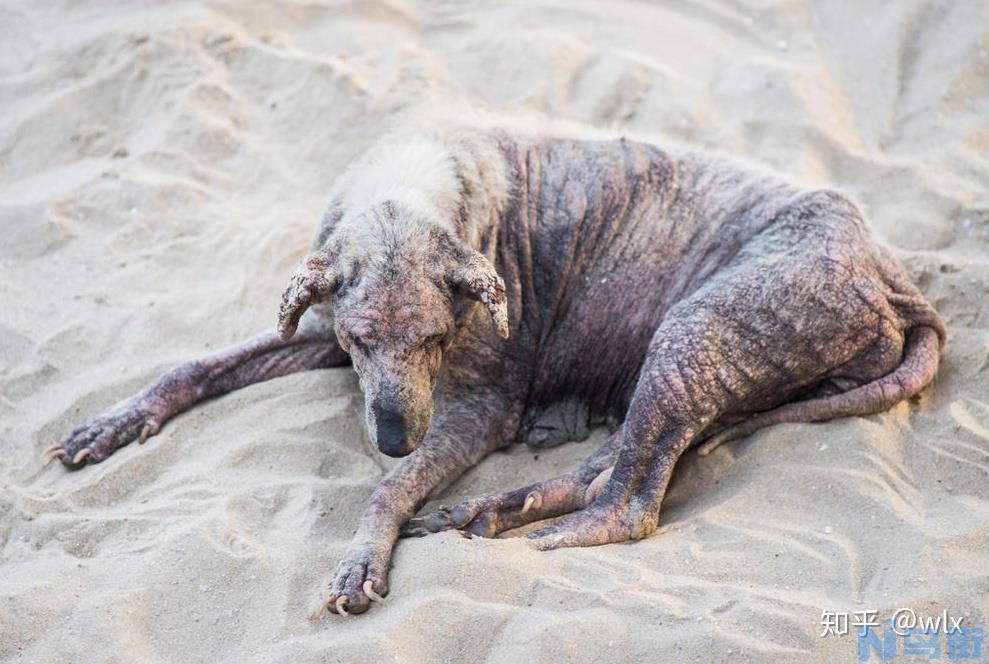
391,430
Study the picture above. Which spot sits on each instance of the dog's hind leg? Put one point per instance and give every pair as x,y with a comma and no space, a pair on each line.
745,341
920,363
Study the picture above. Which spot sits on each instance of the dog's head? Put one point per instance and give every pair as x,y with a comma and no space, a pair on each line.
399,288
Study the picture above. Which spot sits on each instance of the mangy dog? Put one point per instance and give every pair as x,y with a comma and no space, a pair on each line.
490,287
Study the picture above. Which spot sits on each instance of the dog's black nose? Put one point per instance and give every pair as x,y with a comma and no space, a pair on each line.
390,427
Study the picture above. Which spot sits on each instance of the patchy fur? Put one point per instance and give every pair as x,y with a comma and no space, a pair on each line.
492,286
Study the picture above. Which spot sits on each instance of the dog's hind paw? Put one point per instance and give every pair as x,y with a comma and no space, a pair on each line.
493,514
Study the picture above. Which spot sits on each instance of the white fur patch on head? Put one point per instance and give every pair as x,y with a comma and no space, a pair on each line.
420,173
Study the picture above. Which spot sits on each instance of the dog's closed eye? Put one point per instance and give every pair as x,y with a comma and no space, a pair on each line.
359,344
432,340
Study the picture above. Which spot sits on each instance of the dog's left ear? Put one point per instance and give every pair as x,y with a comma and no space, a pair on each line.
475,276
313,282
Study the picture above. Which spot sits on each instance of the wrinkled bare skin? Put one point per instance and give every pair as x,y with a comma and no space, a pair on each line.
680,298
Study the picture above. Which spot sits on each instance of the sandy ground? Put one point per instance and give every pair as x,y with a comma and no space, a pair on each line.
161,168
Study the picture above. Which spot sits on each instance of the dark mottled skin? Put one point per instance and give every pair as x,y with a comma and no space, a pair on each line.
679,299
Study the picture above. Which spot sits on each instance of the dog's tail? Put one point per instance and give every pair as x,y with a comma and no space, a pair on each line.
921,355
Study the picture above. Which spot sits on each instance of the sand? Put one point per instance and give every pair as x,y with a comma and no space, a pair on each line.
161,169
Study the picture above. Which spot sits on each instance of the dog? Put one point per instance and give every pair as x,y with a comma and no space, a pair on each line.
491,286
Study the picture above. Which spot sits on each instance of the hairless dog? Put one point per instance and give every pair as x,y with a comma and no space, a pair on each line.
489,287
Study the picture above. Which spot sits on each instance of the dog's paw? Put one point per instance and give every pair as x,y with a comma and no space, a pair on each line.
360,578
99,438
484,516
602,522
493,514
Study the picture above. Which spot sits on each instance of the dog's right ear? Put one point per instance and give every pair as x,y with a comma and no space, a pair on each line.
477,278
313,282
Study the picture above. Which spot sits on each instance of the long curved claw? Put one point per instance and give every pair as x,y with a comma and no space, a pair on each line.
369,591
597,485
533,500
341,605
318,613
81,456
52,455
145,432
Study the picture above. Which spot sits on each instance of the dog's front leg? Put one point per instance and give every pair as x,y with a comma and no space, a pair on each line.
464,431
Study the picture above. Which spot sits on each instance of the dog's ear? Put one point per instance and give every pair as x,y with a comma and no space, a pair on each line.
313,282
475,276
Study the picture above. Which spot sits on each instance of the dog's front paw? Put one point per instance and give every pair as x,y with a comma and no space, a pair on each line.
360,578
99,438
